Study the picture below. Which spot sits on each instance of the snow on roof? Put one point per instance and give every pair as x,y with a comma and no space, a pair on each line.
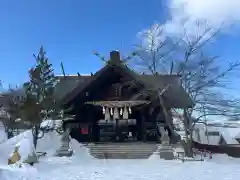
207,139
51,123
237,136
224,123
233,132
229,134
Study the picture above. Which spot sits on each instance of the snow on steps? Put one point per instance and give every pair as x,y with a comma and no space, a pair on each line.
136,150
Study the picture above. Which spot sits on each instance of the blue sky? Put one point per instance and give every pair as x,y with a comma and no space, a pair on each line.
71,29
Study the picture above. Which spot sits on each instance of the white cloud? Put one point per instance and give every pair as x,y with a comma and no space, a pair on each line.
213,13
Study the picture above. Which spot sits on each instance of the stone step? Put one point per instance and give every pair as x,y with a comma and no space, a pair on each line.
122,146
122,156
119,147
122,151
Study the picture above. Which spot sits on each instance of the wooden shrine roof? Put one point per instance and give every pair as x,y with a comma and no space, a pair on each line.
68,83
70,86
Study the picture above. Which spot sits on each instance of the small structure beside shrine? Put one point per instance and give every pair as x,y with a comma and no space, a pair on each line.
116,104
65,149
165,150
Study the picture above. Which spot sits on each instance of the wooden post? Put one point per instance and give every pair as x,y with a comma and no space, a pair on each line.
62,68
143,114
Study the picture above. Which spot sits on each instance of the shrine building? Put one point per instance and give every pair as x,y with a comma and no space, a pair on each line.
119,104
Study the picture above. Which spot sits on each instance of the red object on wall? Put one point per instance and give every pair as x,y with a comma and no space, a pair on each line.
210,155
84,130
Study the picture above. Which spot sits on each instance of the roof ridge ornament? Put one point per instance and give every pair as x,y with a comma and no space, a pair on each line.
115,58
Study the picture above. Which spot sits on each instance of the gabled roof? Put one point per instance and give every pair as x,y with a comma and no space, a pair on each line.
176,95
68,83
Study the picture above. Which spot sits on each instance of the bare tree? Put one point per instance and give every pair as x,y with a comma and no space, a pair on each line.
10,113
203,77
6,122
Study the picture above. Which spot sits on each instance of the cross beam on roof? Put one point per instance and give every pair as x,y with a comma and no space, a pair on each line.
119,104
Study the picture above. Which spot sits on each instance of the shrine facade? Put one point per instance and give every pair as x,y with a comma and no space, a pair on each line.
118,104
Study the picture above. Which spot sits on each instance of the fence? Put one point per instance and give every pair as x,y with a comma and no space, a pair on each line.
231,150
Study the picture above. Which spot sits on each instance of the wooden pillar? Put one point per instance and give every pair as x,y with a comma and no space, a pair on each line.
92,132
143,124
88,122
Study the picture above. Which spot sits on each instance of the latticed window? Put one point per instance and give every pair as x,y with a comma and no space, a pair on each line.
118,91
212,133
115,91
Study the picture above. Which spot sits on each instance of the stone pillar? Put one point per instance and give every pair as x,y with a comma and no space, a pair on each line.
165,151
65,149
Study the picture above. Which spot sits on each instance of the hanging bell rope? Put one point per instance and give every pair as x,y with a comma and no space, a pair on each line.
129,110
121,111
103,110
107,114
115,113
111,111
125,113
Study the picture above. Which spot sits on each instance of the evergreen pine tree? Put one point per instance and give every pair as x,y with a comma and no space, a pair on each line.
39,103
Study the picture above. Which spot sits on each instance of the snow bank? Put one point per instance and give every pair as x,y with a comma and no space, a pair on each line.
80,151
24,140
49,143
154,156
52,141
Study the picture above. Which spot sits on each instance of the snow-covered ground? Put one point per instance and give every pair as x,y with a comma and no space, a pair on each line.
82,166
